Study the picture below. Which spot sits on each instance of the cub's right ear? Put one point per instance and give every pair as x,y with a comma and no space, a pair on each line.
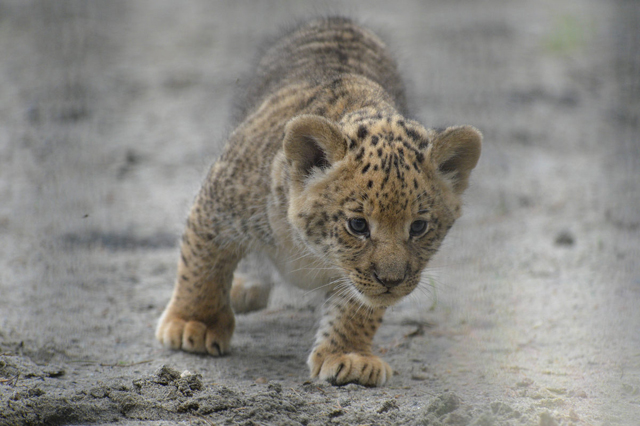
455,152
311,141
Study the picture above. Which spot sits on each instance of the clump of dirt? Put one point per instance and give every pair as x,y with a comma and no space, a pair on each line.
165,395
36,401
168,394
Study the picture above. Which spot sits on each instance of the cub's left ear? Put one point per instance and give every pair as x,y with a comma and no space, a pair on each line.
312,142
455,152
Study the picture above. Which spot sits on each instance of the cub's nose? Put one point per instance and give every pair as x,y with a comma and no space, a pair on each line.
388,282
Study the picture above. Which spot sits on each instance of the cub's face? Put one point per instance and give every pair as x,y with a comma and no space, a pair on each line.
375,197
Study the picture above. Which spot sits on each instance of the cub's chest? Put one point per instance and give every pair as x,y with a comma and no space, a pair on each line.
300,267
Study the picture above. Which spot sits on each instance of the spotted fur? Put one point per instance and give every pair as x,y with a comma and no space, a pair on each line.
327,177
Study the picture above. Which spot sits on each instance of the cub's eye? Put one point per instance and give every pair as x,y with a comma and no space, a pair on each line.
358,226
418,228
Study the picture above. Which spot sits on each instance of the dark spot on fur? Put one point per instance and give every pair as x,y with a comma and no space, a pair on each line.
342,57
413,135
362,132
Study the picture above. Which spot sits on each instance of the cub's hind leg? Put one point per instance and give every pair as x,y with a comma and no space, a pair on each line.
199,317
252,283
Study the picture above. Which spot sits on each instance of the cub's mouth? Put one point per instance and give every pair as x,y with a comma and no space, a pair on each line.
383,300
378,296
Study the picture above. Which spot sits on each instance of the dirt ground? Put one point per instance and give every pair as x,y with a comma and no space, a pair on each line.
111,112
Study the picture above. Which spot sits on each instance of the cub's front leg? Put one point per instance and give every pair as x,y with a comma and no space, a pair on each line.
199,317
342,350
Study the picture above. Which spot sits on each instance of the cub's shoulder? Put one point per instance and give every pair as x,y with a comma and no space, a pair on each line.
317,52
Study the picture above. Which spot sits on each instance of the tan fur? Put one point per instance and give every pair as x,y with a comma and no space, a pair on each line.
323,150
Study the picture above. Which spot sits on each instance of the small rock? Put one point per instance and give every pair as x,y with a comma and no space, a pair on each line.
565,238
98,392
547,419
344,402
580,394
388,405
53,371
275,387
524,383
500,408
420,376
444,404
336,413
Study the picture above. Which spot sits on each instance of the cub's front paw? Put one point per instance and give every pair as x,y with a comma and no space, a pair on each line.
212,336
340,369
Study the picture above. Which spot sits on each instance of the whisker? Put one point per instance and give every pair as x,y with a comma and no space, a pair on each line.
330,283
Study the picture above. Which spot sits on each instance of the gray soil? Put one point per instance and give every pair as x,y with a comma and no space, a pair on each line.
111,112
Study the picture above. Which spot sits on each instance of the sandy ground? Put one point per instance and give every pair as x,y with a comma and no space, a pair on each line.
111,112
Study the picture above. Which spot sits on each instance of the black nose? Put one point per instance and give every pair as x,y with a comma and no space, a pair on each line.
387,282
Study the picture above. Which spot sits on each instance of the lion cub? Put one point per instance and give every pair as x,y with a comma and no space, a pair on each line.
327,177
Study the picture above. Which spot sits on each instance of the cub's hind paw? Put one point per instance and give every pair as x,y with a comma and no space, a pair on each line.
196,336
248,295
341,369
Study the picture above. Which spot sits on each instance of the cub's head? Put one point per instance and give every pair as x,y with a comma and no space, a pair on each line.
376,196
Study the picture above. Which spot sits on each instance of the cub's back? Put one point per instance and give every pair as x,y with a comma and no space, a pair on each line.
319,51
